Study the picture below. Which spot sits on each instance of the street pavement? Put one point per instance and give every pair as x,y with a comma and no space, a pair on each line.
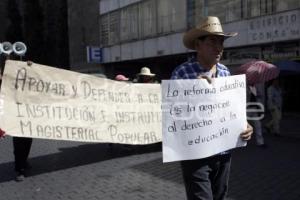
87,171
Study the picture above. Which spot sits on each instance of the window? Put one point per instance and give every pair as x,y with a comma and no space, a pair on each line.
280,5
171,16
114,27
233,10
129,23
148,18
104,29
226,10
200,11
178,15
217,8
253,8
163,19
266,7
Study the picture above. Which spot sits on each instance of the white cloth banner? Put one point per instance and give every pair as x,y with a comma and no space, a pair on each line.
46,102
202,119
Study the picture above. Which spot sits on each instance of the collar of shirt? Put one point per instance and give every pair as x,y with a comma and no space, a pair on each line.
192,69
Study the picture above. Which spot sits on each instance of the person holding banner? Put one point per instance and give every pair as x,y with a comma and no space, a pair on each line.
21,151
22,148
207,178
122,78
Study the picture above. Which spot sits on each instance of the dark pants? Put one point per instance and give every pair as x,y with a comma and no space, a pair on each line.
207,178
21,151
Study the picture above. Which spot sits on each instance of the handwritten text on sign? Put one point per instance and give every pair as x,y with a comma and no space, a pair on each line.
46,102
202,119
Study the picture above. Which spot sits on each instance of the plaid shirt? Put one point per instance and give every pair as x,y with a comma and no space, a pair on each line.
192,69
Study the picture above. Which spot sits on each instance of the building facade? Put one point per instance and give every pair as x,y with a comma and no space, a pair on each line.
136,29
83,24
137,33
41,25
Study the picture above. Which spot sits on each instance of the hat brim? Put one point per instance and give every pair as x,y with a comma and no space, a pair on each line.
141,74
190,36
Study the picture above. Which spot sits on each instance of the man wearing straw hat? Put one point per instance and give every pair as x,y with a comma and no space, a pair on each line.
206,178
145,76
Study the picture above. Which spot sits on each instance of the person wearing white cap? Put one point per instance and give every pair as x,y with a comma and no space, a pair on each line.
145,76
206,178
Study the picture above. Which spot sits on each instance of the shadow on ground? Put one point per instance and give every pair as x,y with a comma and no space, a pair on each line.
165,171
76,156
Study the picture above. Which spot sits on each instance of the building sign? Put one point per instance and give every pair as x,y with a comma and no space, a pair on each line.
94,54
279,27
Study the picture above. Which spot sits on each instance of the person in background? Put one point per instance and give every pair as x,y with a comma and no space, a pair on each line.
145,76
22,148
121,77
274,106
255,96
206,178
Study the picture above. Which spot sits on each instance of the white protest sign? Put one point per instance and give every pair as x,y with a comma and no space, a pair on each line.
46,102
202,119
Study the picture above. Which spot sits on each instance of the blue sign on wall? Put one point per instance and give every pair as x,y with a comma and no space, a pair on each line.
94,54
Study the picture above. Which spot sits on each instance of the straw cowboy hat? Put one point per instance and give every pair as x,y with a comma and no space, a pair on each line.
209,26
145,71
